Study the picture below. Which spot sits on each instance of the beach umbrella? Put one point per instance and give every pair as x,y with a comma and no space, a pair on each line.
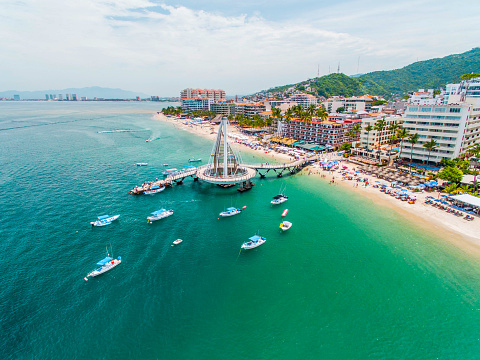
430,197
444,196
377,181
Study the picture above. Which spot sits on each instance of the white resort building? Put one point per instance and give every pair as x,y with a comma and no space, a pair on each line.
454,125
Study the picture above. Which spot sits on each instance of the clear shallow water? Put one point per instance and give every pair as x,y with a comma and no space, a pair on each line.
349,280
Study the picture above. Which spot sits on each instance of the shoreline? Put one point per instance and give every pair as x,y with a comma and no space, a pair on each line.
464,235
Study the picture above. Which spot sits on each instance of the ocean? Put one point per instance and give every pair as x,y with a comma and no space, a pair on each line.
350,279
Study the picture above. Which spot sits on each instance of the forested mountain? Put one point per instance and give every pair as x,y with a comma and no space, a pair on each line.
426,74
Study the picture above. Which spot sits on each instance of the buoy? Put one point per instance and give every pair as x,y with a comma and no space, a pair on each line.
284,213
244,207
85,279
218,218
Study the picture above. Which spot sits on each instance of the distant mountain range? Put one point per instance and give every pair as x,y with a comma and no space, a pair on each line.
426,74
89,92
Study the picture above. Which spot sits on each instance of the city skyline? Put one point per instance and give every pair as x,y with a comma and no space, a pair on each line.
159,49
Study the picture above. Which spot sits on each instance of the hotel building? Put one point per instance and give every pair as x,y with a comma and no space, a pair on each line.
333,132
305,100
215,95
376,138
350,104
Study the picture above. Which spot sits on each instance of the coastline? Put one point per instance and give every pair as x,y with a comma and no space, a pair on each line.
464,235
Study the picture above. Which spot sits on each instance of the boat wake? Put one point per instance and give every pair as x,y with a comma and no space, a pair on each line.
119,131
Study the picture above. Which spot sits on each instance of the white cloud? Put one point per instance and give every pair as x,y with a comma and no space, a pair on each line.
143,46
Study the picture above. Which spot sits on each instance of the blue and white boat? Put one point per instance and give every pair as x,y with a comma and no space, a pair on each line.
159,214
230,212
154,189
105,265
104,220
168,172
254,242
195,159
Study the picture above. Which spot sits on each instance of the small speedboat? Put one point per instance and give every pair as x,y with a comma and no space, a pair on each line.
280,198
105,264
154,189
254,242
104,220
141,164
178,241
159,214
285,225
195,159
230,212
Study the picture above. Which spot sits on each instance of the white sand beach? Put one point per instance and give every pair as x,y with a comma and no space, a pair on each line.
455,229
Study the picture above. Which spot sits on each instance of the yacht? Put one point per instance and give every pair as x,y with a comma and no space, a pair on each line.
154,189
178,241
230,212
141,164
255,241
159,214
104,220
105,265
280,198
195,159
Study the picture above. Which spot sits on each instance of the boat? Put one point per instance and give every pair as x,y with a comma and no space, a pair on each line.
285,212
159,214
106,264
230,212
104,220
170,171
178,241
254,242
280,198
285,225
154,189
141,164
195,159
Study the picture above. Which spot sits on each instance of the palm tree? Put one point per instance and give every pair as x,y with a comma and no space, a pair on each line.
288,114
379,126
412,139
474,149
368,128
322,113
392,140
430,145
356,129
402,133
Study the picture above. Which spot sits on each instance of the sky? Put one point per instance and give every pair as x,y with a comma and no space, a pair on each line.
161,47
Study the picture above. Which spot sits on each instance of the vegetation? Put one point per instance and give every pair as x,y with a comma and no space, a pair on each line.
412,139
451,173
172,110
368,128
430,145
430,74
379,126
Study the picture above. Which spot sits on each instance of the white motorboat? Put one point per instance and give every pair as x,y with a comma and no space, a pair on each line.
159,214
178,241
141,164
105,264
154,189
280,198
104,220
195,159
230,212
285,225
254,242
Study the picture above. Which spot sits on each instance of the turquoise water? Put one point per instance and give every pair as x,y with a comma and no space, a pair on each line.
349,280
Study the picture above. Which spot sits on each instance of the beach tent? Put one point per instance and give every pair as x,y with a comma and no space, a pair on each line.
467,199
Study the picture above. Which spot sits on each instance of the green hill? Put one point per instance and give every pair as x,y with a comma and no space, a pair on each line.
426,74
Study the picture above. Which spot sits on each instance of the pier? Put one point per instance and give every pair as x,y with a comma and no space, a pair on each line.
225,168
251,171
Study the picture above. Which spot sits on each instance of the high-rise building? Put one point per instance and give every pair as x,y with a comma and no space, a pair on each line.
216,95
46,96
16,97
454,125
74,97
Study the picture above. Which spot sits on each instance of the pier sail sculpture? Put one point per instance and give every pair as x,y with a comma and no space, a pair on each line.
224,166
